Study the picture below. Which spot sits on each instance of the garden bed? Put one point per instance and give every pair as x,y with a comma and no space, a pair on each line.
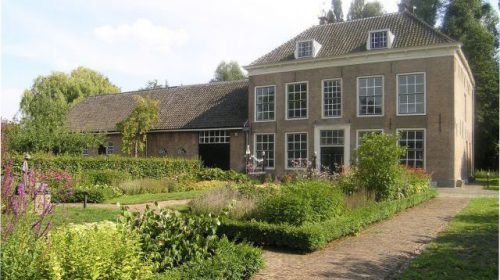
313,236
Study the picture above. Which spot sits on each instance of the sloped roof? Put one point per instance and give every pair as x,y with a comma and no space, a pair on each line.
213,105
350,37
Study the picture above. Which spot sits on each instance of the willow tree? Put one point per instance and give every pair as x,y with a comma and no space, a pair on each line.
135,127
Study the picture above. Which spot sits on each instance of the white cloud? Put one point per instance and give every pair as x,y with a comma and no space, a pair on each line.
143,33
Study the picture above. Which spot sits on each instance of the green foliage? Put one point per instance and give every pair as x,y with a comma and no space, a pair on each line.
360,9
415,180
305,202
209,174
135,127
95,193
136,167
335,14
169,238
311,237
379,165
152,197
104,176
228,71
427,10
94,251
473,23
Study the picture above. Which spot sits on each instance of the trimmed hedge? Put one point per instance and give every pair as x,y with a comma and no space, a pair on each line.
136,167
314,236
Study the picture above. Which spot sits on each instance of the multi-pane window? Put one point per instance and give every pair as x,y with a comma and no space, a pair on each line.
296,150
414,141
213,136
411,94
378,39
86,151
331,137
296,100
110,148
305,49
363,133
264,143
332,98
264,103
370,96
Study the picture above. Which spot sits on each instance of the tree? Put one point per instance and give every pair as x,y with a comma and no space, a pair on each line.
359,9
154,84
230,71
427,10
335,14
469,22
44,107
135,127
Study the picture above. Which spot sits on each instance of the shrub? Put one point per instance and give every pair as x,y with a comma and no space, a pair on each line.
95,251
103,177
219,174
140,186
169,238
379,165
94,193
415,180
311,237
59,184
226,199
304,202
136,167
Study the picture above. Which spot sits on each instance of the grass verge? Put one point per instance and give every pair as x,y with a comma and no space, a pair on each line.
152,197
64,215
466,249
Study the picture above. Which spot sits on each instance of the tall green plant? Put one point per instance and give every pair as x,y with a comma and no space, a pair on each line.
379,168
135,127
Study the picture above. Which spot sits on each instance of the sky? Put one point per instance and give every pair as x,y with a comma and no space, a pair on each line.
131,41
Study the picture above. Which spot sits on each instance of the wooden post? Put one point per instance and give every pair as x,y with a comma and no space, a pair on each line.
85,201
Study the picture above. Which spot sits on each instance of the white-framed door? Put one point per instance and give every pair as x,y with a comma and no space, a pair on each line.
329,142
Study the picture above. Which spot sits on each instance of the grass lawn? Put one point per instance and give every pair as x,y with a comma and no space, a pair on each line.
64,215
466,249
152,197
491,184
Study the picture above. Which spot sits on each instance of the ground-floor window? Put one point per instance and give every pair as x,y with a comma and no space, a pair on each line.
331,150
414,141
364,132
296,150
264,148
110,148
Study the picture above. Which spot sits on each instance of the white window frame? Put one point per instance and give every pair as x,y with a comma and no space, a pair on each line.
397,94
315,47
347,141
389,39
357,96
399,130
218,137
274,149
108,152
307,101
286,149
255,104
323,98
366,130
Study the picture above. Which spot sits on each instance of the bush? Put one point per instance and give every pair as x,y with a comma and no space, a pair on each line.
95,193
103,177
379,165
311,237
59,184
169,238
219,174
140,186
415,180
226,199
136,167
304,202
94,251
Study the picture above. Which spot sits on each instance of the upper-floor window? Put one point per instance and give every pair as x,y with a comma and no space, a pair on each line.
296,100
411,94
332,98
264,103
308,48
379,39
370,96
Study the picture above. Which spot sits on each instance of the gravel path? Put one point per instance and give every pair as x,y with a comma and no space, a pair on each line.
378,252
134,207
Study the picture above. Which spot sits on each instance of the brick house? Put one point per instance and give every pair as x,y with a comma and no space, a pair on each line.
315,96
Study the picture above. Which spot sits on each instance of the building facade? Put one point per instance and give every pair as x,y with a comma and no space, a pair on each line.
314,98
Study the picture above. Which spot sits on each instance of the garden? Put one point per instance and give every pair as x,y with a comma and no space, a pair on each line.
219,234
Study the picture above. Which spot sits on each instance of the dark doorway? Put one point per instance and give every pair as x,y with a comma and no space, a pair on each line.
215,155
101,150
332,159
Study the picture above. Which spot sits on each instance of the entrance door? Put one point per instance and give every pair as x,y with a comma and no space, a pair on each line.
332,159
214,149
332,147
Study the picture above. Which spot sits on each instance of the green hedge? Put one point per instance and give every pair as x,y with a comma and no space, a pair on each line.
311,237
136,167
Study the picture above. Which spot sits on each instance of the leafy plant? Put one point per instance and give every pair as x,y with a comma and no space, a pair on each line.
219,174
105,176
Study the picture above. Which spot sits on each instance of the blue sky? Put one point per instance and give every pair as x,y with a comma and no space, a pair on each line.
132,41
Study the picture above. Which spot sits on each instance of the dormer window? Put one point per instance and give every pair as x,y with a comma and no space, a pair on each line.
304,49
379,39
